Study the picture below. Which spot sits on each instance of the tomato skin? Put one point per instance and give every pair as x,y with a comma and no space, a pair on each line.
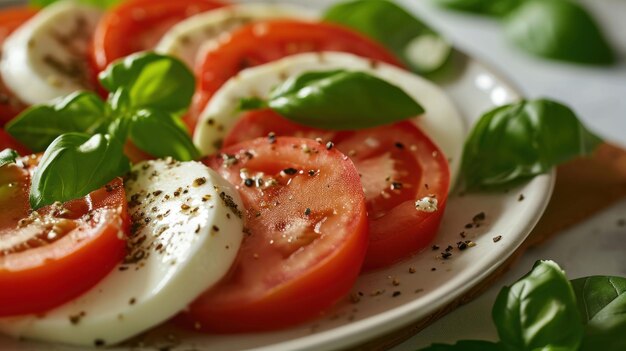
260,43
261,294
397,229
47,276
10,20
137,25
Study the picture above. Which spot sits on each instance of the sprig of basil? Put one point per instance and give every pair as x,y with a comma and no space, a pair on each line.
539,311
602,305
545,311
491,7
339,100
516,142
8,156
418,45
74,165
38,126
148,93
105,4
558,29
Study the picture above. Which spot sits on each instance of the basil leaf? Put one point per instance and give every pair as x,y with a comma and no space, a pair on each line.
74,165
516,142
492,7
559,29
152,81
539,312
38,126
465,345
99,3
8,156
162,135
419,46
340,100
602,304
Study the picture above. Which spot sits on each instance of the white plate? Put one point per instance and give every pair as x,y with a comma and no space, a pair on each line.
475,88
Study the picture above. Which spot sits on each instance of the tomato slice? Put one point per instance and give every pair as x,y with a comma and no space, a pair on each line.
50,256
10,19
138,25
398,165
263,42
307,235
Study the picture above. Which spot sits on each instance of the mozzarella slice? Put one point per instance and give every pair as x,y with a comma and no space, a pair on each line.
186,231
47,56
189,38
442,122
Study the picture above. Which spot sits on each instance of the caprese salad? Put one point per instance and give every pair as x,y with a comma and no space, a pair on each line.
232,167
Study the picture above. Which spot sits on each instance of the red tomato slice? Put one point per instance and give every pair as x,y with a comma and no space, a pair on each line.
398,165
260,43
307,235
53,255
138,25
10,19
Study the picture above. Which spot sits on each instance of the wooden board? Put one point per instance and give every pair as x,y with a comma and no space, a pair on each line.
583,187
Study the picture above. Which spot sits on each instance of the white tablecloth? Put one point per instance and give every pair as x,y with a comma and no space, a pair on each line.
595,247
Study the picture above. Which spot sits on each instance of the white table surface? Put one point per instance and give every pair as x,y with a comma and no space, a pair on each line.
595,247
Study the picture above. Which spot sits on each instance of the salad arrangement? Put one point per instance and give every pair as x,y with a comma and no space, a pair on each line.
295,153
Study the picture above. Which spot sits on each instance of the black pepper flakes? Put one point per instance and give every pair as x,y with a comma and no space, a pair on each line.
249,182
521,198
396,185
307,212
412,270
461,245
396,294
290,171
435,247
312,173
433,269
497,238
329,145
446,255
399,145
99,343
215,228
271,137
479,217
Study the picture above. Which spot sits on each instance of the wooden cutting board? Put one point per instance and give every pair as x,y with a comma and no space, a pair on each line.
583,187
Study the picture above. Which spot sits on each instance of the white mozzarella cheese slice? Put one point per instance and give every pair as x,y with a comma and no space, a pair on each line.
191,37
47,56
441,122
186,232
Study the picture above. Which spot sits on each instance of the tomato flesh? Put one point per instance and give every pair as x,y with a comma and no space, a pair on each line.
306,236
10,19
50,256
398,165
138,25
260,43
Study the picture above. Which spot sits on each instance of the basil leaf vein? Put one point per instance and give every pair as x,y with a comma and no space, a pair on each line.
161,135
37,127
74,165
602,304
342,100
516,142
539,311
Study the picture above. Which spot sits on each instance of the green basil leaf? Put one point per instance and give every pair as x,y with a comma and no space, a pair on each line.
99,3
602,304
74,165
559,29
161,135
8,156
340,100
152,81
491,7
80,112
539,312
466,345
419,46
516,142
